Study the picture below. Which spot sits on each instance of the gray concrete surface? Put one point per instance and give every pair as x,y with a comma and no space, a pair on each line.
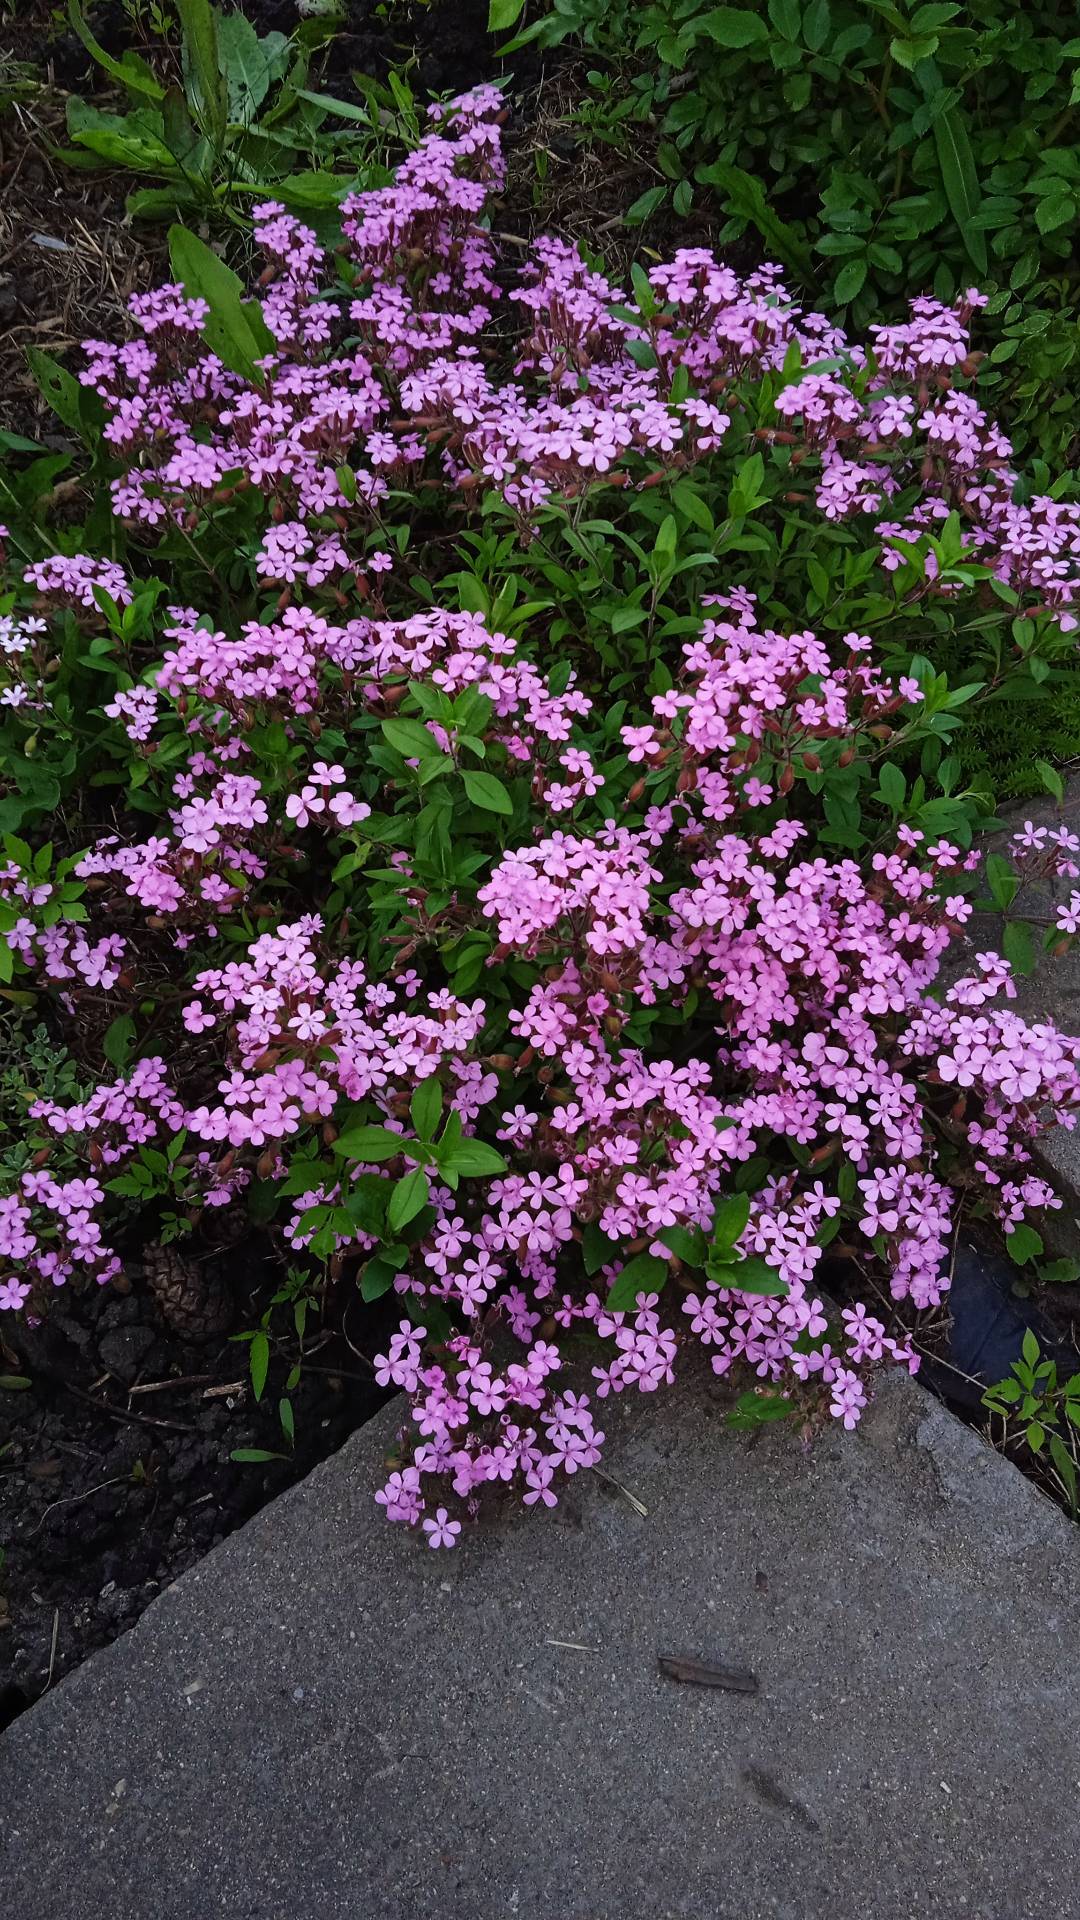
326,1721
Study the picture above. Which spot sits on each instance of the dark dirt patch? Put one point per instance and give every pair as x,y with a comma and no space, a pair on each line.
115,1468
69,258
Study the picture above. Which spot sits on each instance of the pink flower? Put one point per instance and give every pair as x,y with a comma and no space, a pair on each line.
442,1531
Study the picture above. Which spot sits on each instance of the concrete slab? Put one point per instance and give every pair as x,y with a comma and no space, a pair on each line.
325,1721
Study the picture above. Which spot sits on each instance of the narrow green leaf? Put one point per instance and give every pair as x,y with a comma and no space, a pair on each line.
644,206
961,182
259,1362
132,72
203,75
409,1195
425,1107
234,328
1051,779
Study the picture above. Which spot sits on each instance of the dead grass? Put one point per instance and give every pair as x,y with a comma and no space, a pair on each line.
69,258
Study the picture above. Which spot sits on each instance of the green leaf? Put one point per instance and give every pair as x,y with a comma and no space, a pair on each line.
744,196
849,281
729,1222
60,388
892,787
365,1203
179,133
1056,210
409,1195
755,1409
412,740
259,1363
641,209
785,17
368,1143
1001,880
312,190
376,1279
755,1276
254,1456
817,21
596,1249
160,203
1023,1244
234,328
1051,779
1060,1273
644,1274
485,791
132,72
203,76
342,109
470,1157
251,64
686,1243
1018,946
961,182
425,1107
731,27
119,1040
503,14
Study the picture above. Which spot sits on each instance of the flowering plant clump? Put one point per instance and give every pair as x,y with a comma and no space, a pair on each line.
510,909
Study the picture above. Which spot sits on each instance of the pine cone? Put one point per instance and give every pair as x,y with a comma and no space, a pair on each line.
191,1295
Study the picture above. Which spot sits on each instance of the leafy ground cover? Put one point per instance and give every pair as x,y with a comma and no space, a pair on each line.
494,782
875,149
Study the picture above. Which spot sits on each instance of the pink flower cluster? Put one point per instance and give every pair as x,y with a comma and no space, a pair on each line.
707,1048
817,1039
592,399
